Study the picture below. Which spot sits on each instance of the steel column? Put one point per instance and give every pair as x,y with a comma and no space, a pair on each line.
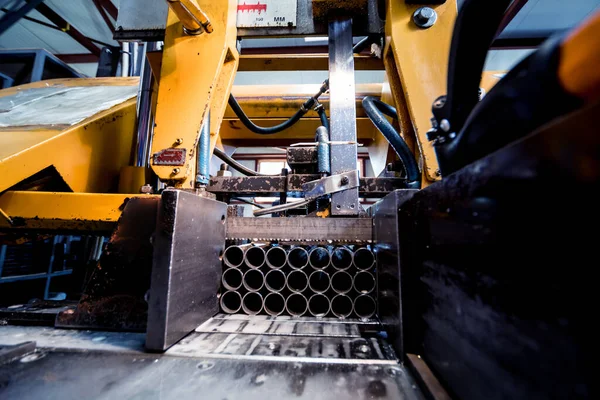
342,112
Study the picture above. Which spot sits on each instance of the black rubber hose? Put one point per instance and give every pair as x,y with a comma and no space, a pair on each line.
235,106
237,109
323,116
375,110
248,202
234,164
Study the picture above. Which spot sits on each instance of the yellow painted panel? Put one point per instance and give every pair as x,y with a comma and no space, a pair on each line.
51,210
13,142
88,155
421,61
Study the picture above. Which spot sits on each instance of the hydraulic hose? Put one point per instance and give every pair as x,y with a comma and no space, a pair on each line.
323,116
375,110
308,104
234,164
235,106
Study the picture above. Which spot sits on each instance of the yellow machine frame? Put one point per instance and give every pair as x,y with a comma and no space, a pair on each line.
196,76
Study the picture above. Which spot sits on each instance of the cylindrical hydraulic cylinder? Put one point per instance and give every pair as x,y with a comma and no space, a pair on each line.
275,280
232,279
364,306
254,280
341,306
255,257
203,153
296,304
318,305
319,258
233,256
297,281
231,302
276,257
341,282
323,161
274,304
364,259
341,258
252,303
319,281
364,282
297,258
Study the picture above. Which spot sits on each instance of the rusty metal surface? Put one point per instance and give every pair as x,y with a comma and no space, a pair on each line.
190,236
302,160
326,8
110,375
338,350
429,383
113,298
301,229
280,326
273,185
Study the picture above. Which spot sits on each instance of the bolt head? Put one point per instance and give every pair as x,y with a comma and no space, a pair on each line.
175,171
425,13
424,17
445,125
178,141
345,180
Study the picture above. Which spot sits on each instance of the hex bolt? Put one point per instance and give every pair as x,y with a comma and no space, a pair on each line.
345,180
424,17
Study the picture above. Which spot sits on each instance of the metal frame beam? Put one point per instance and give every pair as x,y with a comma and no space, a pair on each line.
110,8
12,17
70,30
342,109
510,13
104,15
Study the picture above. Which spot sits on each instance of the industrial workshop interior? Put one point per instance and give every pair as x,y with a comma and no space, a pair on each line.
311,199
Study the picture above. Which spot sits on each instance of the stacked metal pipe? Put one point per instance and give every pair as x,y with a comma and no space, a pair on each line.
299,280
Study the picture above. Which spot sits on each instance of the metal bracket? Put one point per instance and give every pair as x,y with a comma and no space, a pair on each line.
331,184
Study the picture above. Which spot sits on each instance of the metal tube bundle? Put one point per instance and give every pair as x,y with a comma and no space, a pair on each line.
321,281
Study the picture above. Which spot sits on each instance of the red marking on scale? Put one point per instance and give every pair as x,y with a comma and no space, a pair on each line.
252,7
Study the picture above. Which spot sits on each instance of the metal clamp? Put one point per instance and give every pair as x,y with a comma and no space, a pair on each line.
331,184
